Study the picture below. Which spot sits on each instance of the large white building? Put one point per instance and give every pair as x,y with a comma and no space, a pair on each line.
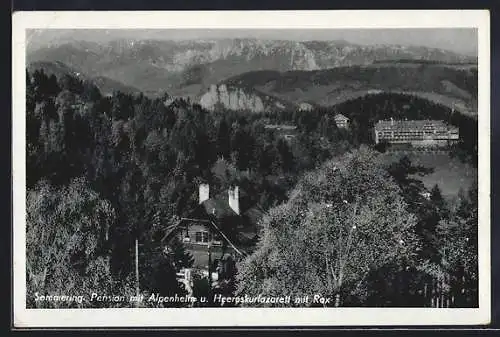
415,132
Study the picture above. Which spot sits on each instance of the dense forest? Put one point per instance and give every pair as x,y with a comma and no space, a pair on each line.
103,171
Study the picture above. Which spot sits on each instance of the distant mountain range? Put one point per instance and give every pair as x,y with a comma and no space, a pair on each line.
279,72
59,69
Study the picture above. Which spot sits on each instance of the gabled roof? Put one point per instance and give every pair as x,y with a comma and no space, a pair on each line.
218,207
340,117
283,127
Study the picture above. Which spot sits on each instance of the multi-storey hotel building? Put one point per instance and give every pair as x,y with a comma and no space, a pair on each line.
415,132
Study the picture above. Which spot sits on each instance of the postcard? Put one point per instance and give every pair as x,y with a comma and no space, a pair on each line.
251,168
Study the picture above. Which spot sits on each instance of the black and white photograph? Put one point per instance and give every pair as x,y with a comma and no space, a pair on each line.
270,168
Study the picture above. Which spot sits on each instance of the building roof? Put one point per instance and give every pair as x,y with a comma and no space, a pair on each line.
280,127
340,117
221,203
218,207
394,125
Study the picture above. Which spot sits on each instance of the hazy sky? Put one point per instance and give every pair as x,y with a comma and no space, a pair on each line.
460,40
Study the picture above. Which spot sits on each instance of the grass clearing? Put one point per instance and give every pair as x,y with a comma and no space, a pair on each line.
450,174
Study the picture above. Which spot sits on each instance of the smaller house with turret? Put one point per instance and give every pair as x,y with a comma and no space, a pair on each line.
341,121
222,224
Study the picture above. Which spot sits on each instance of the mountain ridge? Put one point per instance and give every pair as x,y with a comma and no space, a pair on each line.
450,85
106,85
189,67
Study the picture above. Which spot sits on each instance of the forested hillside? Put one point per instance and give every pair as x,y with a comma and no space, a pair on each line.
144,159
367,110
105,84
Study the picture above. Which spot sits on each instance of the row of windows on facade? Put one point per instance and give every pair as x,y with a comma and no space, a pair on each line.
418,132
404,126
417,136
203,237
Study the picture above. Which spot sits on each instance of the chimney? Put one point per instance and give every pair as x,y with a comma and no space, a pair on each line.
204,192
234,199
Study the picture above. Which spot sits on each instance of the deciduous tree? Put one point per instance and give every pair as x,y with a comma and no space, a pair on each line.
67,243
341,222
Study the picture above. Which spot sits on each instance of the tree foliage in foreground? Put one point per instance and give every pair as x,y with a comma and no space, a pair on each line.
342,222
458,249
67,244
